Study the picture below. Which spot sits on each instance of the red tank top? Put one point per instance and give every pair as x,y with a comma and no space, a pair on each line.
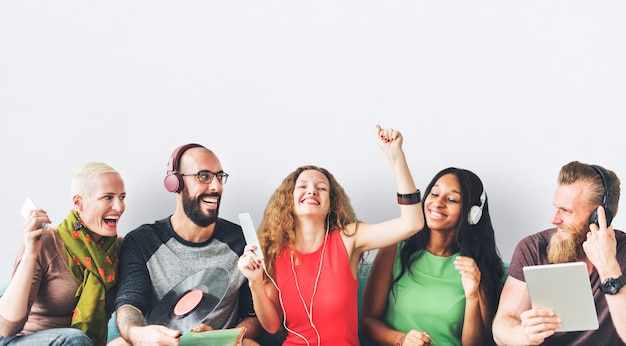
334,310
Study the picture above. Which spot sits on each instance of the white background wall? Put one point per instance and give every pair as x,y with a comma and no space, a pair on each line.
509,89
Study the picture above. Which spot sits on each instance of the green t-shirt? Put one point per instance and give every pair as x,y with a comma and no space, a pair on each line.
430,299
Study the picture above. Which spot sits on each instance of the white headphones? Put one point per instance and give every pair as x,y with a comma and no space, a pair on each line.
476,211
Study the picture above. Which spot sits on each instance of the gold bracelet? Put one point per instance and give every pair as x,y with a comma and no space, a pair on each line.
410,198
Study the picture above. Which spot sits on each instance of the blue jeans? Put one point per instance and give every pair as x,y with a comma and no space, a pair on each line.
49,337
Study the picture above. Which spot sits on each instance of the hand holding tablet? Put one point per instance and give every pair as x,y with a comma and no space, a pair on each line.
565,289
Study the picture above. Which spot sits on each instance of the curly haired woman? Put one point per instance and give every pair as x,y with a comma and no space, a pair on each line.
312,244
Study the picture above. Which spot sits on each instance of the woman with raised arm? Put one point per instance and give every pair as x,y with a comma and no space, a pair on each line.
441,285
312,245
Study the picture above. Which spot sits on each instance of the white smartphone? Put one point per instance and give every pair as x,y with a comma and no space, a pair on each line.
27,207
250,234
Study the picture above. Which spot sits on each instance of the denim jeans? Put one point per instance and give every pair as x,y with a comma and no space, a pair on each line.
49,337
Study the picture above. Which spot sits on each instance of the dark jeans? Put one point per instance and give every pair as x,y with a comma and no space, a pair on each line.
50,337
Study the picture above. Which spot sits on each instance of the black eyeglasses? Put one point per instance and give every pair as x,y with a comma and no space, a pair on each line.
206,177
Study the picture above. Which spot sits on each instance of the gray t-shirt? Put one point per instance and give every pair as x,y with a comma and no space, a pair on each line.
154,259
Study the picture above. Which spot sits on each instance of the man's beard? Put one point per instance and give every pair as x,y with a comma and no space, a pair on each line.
192,209
569,250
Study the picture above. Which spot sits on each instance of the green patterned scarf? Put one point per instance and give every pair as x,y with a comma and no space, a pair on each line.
94,266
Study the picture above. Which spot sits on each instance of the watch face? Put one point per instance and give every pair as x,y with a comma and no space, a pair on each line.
612,286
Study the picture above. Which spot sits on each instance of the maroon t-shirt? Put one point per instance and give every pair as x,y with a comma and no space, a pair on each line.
51,300
532,250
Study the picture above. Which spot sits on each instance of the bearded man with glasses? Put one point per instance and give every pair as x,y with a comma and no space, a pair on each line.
157,258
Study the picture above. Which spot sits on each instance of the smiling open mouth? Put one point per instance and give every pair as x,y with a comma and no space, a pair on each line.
111,221
210,200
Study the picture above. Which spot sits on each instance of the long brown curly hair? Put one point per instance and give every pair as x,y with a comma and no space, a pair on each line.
277,230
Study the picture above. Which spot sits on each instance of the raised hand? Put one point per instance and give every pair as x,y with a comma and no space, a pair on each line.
388,139
470,274
33,230
250,265
601,247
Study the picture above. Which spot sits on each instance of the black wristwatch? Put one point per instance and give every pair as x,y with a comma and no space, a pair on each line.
612,285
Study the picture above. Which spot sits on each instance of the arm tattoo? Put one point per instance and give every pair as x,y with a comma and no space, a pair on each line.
129,316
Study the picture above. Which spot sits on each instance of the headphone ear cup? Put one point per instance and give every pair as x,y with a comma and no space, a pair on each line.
609,217
594,217
474,215
173,182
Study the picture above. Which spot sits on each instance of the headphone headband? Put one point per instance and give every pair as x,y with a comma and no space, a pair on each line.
607,198
608,184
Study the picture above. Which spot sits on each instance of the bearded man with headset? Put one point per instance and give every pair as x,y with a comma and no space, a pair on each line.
157,257
586,200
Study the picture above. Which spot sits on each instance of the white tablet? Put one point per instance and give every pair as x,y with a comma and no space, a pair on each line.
249,232
565,289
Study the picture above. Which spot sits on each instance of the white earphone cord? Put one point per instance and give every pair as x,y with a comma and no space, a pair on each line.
309,312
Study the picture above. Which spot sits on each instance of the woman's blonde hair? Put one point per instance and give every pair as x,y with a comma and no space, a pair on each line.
277,229
84,177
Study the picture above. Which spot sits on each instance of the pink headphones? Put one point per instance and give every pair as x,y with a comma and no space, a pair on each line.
173,180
